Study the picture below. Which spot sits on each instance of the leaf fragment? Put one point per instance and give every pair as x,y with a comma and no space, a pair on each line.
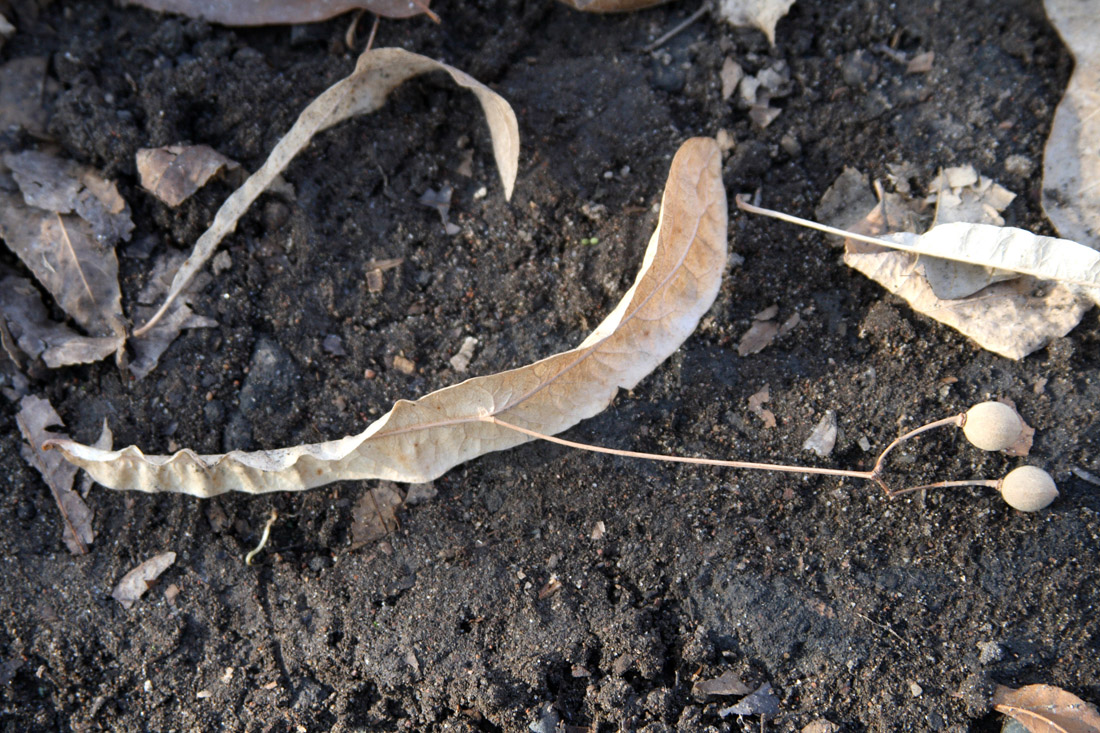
762,14
377,73
728,683
761,702
375,514
23,86
1047,709
134,584
35,415
279,12
418,441
1071,166
39,337
174,172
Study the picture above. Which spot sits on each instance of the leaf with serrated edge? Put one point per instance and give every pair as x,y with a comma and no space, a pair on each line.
1047,709
418,441
377,73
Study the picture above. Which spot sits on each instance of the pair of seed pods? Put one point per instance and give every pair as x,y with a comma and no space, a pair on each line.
994,426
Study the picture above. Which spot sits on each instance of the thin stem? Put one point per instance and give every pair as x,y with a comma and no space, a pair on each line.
866,475
753,209
956,420
992,483
678,29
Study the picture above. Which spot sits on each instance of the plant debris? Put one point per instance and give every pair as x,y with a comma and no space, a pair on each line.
1047,709
377,73
35,415
418,441
1071,166
23,89
728,683
134,584
756,406
761,702
762,14
173,172
823,438
375,514
280,12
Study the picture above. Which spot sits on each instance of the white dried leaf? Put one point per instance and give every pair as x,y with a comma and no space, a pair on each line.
762,14
377,73
35,415
134,584
1071,164
418,441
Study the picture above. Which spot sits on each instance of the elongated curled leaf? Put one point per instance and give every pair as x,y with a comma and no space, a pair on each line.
1071,166
377,73
418,441
278,12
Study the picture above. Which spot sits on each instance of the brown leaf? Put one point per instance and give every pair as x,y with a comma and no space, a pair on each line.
418,441
280,12
1047,709
377,73
375,514
756,406
134,584
35,415
39,337
174,172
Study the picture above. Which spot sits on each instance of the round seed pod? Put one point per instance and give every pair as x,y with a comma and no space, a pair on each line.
992,426
1028,489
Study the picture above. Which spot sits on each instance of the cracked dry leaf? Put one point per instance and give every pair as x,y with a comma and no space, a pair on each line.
377,73
1047,709
134,583
173,172
279,12
35,415
39,337
1071,165
418,441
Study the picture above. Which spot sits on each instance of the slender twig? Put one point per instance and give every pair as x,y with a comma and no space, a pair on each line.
678,29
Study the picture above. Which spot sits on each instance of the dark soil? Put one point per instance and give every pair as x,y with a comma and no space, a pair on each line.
876,614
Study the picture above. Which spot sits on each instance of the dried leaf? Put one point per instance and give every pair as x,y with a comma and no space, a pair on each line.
762,14
756,406
22,89
174,172
731,76
729,683
761,702
1011,317
418,441
377,73
279,12
151,345
758,337
65,187
823,438
612,6
72,256
39,337
1047,709
134,584
375,514
1071,167
35,415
